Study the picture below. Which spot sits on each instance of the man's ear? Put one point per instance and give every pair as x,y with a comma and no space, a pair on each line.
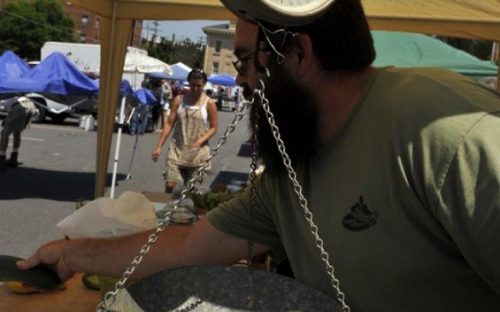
304,55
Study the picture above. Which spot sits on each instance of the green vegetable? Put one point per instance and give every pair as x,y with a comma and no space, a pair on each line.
211,199
91,281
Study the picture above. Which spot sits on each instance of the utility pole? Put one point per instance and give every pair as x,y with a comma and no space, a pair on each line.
148,28
154,38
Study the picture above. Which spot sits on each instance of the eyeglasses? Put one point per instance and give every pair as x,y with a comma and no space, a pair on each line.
241,63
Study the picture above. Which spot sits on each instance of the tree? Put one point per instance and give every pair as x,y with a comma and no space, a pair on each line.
170,51
26,25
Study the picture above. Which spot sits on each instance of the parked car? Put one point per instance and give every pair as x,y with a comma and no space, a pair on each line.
58,108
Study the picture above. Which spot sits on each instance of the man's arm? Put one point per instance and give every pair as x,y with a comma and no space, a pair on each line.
200,244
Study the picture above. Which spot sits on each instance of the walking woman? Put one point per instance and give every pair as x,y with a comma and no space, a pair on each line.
193,119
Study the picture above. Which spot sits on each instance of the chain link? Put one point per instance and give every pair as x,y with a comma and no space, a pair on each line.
325,257
110,297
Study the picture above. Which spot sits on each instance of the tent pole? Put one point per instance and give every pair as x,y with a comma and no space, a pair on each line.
129,173
117,147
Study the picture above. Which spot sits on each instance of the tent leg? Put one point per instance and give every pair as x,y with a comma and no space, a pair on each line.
132,157
117,147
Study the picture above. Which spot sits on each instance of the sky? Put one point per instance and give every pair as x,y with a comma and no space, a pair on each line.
182,29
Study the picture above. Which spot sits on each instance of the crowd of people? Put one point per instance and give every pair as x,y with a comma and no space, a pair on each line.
400,169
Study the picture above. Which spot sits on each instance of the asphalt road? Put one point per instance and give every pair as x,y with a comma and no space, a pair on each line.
58,171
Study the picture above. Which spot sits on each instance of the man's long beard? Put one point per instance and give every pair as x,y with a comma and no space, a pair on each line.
294,115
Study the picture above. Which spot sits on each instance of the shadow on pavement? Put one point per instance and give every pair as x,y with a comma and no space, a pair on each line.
245,149
26,182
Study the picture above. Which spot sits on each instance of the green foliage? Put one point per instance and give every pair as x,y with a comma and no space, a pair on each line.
169,51
25,25
212,198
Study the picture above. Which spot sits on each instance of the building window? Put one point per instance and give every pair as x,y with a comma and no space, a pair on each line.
84,20
83,37
215,68
97,23
218,45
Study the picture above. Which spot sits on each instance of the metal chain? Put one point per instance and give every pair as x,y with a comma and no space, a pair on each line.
325,257
110,297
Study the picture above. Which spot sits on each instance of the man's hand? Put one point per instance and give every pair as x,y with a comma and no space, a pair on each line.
50,254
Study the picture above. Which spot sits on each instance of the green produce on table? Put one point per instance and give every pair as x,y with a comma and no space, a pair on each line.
212,198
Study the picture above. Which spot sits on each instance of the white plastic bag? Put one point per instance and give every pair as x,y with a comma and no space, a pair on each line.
104,217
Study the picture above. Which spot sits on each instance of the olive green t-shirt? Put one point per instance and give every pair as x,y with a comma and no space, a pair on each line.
406,199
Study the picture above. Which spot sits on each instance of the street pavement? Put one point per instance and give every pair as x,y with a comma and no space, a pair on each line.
58,172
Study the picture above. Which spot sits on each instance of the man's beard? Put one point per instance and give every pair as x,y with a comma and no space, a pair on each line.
294,115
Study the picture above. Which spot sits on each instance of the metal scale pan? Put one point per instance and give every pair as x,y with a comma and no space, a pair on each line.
226,289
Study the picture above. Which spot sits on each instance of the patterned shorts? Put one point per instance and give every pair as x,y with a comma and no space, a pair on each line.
178,174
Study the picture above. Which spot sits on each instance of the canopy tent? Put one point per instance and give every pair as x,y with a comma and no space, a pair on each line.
54,75
144,97
222,79
179,71
458,18
12,66
158,75
403,49
125,87
136,62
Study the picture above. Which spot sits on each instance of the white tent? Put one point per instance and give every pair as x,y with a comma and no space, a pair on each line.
179,71
135,62
138,64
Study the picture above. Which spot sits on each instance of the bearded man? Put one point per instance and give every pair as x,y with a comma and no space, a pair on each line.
390,175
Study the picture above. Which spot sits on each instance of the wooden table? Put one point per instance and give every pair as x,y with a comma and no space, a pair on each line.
75,298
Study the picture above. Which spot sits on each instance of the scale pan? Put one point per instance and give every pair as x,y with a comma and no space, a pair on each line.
226,289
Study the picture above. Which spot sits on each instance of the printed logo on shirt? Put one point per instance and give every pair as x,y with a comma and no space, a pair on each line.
360,217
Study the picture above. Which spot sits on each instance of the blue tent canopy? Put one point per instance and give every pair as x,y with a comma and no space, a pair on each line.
222,79
402,49
145,96
11,66
54,75
125,87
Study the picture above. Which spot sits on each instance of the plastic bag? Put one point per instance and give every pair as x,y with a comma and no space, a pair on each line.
104,217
